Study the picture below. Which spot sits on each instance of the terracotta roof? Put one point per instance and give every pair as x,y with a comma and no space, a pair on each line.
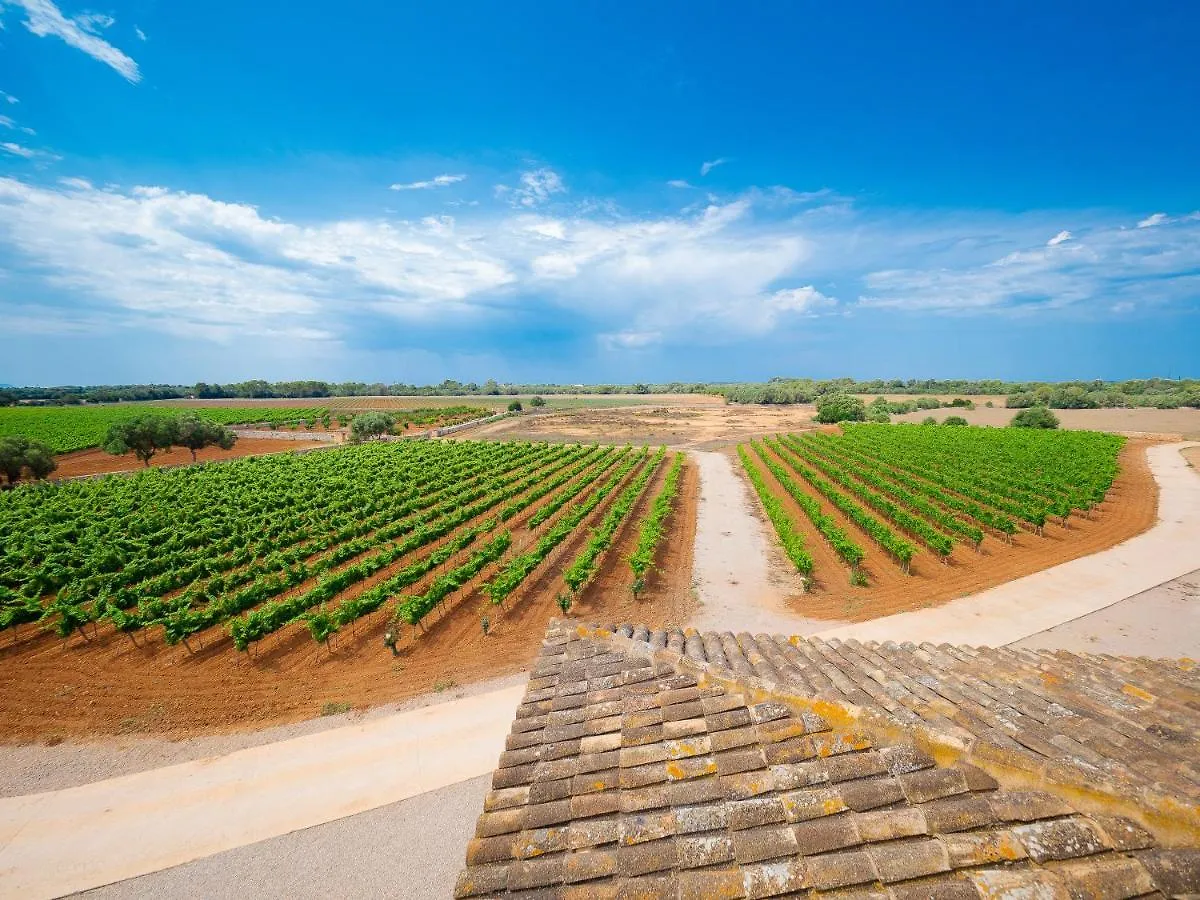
682,765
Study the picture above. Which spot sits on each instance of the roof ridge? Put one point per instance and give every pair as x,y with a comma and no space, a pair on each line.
1174,820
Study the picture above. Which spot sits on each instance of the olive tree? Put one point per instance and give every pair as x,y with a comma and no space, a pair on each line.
143,435
19,455
196,434
370,425
840,408
1035,417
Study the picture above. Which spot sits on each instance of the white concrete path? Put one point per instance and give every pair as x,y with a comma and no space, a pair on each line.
1032,604
738,587
60,842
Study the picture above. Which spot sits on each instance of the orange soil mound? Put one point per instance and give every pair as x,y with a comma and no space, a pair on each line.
1130,508
50,691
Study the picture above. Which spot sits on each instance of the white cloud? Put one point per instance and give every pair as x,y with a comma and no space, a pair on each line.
678,183
629,340
707,167
716,273
141,35
536,187
6,122
4,95
436,181
803,300
45,19
1099,268
25,152
94,23
1151,221
1060,238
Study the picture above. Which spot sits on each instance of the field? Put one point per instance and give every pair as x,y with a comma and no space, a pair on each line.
201,598
67,428
1166,422
882,519
492,402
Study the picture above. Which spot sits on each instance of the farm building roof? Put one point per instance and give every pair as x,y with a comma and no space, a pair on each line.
672,764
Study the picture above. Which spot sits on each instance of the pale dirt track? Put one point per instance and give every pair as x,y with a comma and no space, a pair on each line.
125,827
1163,621
744,582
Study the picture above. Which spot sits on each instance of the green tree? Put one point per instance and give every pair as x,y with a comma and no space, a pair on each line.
840,408
370,425
515,406
1035,417
537,400
143,435
196,434
20,454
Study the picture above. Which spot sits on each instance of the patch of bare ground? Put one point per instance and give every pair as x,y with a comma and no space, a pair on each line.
698,427
1129,509
667,598
1192,455
95,461
51,691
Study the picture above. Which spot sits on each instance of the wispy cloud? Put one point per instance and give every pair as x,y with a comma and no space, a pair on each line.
707,167
1151,221
8,98
28,152
141,35
678,183
45,19
9,122
436,181
536,187
1106,267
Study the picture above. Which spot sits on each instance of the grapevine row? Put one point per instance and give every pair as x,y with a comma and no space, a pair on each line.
789,537
653,528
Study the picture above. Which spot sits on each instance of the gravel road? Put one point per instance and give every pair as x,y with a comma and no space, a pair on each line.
412,850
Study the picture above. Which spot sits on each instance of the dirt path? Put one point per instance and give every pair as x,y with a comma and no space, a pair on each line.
1043,600
129,826
739,572
1163,621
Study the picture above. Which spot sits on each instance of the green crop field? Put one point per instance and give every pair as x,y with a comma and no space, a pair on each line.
67,428
909,490
316,540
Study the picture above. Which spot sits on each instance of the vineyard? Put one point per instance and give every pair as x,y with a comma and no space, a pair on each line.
330,548
68,428
877,505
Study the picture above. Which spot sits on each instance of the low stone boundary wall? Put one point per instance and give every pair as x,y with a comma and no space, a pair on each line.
331,437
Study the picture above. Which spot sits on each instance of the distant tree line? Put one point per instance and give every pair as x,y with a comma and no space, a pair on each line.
1162,393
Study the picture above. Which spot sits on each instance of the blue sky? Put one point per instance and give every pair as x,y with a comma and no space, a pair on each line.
597,191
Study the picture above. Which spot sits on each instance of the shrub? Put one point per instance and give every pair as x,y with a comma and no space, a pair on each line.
927,403
1035,417
954,420
370,425
834,408
929,420
537,401
515,406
